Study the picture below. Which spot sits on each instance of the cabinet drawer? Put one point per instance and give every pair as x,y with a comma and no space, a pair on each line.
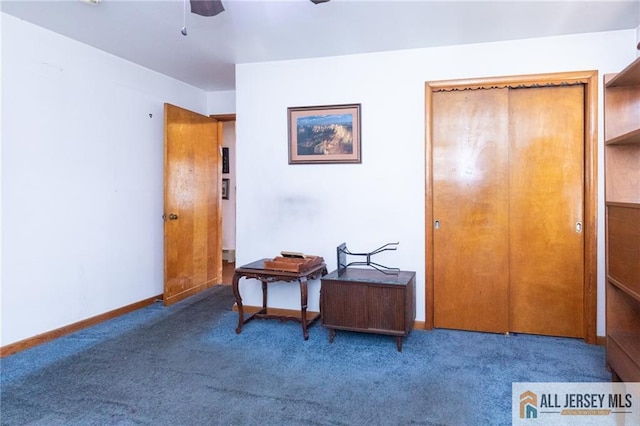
623,226
622,353
386,308
343,305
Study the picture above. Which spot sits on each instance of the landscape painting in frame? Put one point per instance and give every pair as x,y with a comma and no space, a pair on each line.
324,134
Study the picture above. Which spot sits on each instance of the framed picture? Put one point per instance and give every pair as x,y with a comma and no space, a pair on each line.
324,134
225,189
225,160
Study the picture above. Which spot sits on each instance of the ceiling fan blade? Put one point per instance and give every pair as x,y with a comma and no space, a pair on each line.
206,7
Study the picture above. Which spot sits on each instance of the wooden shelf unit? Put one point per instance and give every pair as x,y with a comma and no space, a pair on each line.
622,196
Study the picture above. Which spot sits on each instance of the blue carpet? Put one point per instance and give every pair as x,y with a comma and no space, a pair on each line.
186,365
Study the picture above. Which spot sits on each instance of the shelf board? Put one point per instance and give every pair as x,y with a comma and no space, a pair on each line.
629,343
630,76
632,137
625,204
624,288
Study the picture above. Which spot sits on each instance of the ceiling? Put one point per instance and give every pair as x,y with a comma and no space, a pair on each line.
148,32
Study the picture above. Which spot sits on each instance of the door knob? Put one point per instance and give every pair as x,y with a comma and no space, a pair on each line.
173,216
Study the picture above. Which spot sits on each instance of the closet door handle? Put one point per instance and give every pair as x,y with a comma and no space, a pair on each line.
436,224
579,227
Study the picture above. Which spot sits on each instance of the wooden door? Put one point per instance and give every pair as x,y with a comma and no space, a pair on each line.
546,242
192,185
508,197
470,209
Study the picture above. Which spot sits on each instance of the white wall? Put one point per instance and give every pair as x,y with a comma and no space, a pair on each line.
82,173
313,208
223,102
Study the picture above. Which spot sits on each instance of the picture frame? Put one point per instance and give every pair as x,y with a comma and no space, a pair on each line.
225,189
326,134
225,160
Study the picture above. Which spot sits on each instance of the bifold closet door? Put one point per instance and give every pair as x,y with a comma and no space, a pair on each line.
546,210
508,189
470,206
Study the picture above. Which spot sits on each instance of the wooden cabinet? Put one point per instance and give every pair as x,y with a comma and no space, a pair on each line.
369,301
622,196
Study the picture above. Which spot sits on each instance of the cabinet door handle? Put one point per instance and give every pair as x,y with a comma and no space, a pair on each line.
578,227
436,224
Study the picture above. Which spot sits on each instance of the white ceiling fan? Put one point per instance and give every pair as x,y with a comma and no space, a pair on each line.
214,7
207,8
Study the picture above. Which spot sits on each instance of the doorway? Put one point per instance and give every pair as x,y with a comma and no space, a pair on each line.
228,208
480,273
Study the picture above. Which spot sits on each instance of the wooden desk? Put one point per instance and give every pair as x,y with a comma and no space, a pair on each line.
369,301
256,270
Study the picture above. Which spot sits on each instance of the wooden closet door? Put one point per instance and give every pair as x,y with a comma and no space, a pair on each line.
546,210
470,206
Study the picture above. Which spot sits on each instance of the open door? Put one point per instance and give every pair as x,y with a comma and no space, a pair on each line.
192,203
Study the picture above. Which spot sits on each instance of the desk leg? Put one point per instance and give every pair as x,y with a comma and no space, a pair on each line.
399,343
264,296
236,293
303,306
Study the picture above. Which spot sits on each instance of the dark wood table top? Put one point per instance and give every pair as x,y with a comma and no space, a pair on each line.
257,267
371,275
